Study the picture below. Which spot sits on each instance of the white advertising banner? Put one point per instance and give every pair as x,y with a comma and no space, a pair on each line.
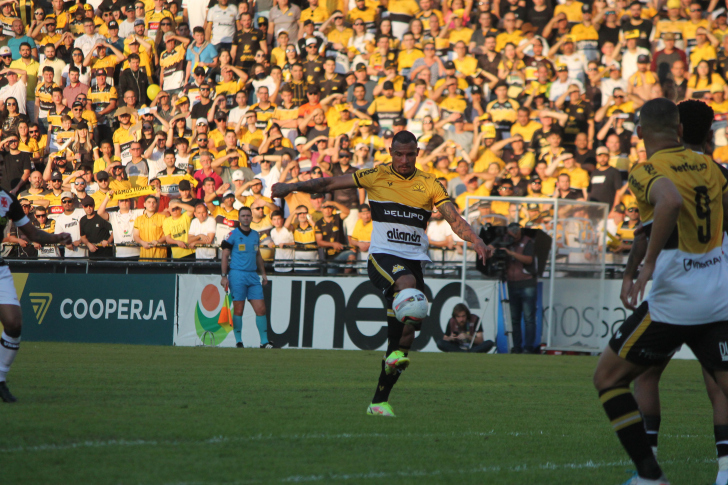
574,323
320,313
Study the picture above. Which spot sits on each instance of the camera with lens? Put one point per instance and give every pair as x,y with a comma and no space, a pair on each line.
498,237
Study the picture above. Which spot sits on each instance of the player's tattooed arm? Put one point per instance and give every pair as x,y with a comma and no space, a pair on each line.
314,186
463,230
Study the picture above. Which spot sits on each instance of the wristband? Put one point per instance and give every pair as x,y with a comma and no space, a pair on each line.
224,275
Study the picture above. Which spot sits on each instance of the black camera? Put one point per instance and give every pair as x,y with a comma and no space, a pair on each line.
498,237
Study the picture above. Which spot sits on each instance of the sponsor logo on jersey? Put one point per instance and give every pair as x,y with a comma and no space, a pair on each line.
402,237
689,264
686,167
404,214
397,268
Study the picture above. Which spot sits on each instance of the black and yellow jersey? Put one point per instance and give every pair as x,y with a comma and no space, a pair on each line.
101,98
368,16
690,280
43,95
387,110
401,207
317,15
264,114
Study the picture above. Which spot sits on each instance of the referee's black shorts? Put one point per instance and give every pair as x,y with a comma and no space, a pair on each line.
384,269
644,342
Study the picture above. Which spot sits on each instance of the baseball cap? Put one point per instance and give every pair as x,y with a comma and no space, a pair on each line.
586,8
183,184
485,203
311,41
476,89
221,115
533,180
123,111
102,175
562,67
113,24
82,125
77,104
100,72
238,175
228,193
359,67
182,100
199,71
387,85
66,195
488,130
301,140
56,176
262,21
344,154
390,65
167,36
449,65
317,196
139,22
87,201
458,13
87,6
668,36
643,59
715,88
615,65
400,122
602,151
533,207
201,121
387,134
5,50
673,3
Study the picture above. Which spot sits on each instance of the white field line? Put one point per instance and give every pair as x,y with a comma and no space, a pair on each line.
292,437
548,466
252,438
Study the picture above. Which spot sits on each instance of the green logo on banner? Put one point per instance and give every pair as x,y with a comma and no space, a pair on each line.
214,329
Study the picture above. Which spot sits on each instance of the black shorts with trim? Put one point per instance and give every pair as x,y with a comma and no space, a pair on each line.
384,269
644,342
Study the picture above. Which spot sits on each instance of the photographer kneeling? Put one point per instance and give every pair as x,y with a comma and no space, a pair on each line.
520,275
460,330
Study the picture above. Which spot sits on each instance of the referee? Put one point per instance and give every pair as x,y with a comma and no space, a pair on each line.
241,260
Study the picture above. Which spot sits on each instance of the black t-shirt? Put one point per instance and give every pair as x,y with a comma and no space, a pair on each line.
608,34
573,194
200,110
96,229
540,19
644,28
604,185
332,232
13,168
581,158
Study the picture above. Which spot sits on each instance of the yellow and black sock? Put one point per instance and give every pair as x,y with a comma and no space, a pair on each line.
387,382
622,411
652,428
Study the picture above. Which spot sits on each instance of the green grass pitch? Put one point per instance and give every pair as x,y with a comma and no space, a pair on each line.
98,414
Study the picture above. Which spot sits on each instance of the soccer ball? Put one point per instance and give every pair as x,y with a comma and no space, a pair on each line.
410,304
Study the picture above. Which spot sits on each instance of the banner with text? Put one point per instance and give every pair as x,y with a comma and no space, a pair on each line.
120,309
320,313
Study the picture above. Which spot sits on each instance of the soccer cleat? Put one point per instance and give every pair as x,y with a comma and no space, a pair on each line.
396,361
5,394
637,480
380,409
269,345
240,345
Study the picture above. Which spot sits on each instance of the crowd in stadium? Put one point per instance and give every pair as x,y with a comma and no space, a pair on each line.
140,126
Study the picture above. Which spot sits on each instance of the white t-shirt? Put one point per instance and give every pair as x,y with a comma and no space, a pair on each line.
70,224
223,23
427,108
438,231
17,91
236,114
87,42
283,236
198,228
196,12
629,61
126,28
122,226
268,180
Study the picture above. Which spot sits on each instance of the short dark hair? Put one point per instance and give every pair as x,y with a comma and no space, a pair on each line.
198,29
696,118
133,57
276,214
169,151
404,137
75,69
245,208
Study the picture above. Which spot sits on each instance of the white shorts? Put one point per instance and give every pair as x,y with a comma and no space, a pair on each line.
8,295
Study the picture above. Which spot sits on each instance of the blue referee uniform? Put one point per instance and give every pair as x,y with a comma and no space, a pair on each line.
243,277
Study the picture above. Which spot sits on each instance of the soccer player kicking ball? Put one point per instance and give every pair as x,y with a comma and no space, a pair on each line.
402,199
241,260
10,312
682,196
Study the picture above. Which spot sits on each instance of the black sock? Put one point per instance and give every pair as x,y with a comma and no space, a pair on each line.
387,382
721,440
622,411
652,428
